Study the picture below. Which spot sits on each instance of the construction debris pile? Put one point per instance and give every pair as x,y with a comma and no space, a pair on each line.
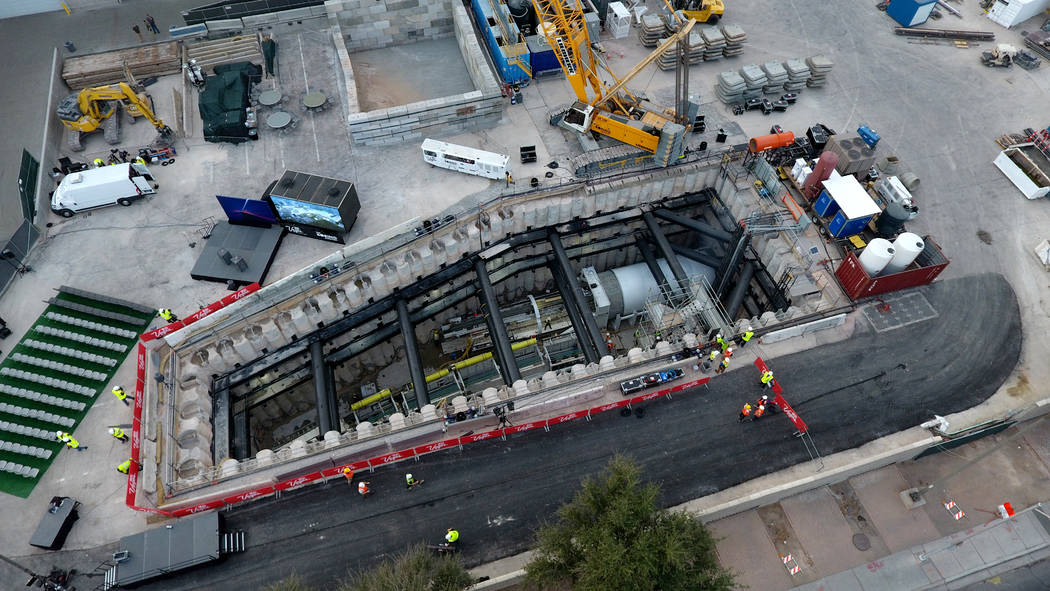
752,81
706,44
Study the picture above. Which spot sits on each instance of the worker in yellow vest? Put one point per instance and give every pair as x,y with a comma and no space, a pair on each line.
118,433
747,336
122,395
767,379
167,315
124,467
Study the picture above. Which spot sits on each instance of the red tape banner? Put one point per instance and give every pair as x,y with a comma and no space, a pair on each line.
390,458
419,450
205,311
790,413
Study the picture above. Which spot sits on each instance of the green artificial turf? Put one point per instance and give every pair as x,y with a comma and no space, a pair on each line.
21,486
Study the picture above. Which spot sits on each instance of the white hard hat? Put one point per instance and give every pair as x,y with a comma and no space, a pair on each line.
749,327
729,350
58,433
112,431
718,336
408,476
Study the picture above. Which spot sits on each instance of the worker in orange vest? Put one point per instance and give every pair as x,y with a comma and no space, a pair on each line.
744,412
362,488
348,473
761,410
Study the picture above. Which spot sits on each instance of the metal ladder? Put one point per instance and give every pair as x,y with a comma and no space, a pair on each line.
232,542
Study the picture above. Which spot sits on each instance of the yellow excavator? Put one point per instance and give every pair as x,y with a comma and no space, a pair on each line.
611,111
94,108
702,11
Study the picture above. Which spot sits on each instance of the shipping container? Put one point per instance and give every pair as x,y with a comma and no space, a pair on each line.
858,284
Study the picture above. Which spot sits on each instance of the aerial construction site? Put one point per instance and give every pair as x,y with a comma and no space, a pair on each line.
495,243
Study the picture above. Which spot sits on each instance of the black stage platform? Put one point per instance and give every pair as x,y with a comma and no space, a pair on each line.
242,254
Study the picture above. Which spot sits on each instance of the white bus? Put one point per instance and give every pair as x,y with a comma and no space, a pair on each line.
464,159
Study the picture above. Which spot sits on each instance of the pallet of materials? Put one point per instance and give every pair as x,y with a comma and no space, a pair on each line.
157,59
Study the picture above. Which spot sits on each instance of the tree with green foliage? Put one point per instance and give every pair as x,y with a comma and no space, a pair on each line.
612,535
416,568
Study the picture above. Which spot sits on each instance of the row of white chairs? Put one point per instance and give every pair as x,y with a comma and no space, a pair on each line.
96,326
57,366
69,352
28,431
26,450
47,381
39,397
18,469
81,338
40,415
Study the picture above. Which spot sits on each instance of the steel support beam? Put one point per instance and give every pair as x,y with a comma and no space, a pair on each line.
497,329
695,225
736,296
665,250
323,393
415,363
693,255
731,262
590,352
569,275
654,268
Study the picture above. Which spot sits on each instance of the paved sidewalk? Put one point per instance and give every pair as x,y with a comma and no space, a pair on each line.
952,561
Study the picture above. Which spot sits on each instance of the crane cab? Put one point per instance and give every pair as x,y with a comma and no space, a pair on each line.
579,117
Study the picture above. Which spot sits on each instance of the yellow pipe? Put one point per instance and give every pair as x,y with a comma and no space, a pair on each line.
66,8
441,373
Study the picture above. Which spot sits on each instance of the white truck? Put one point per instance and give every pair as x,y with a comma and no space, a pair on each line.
98,187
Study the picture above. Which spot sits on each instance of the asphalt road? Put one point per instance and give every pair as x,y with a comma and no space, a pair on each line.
1032,577
497,492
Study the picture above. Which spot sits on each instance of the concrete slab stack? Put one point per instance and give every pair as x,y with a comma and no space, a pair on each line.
754,78
735,38
730,87
776,77
668,58
819,66
798,72
715,43
653,30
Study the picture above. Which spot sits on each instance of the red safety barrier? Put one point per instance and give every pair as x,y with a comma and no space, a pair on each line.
790,413
390,458
205,311
436,446
419,450
779,400
475,437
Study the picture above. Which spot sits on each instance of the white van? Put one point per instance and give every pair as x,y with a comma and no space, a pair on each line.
98,187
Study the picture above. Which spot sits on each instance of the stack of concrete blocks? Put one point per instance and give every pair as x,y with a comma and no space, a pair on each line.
819,66
653,29
798,73
735,39
456,113
730,87
776,77
754,80
714,43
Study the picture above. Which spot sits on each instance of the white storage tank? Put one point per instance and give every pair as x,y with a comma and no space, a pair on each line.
630,286
876,256
908,246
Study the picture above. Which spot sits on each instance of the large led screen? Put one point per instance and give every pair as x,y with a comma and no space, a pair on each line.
308,214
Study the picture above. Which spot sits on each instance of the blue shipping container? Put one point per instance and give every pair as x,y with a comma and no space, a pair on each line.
840,227
825,205
910,13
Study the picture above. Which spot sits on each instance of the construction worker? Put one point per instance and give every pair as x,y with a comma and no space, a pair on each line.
118,433
761,410
745,412
721,342
140,160
609,343
167,315
98,162
451,536
723,366
411,482
72,443
748,335
349,475
124,467
713,356
763,401
122,395
61,436
728,353
767,379
362,488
